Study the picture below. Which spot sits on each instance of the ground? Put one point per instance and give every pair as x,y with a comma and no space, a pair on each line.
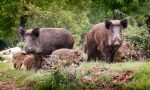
87,76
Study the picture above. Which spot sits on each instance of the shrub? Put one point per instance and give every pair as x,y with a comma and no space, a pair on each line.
2,58
140,38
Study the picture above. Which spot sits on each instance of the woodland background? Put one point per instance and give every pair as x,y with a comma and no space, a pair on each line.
76,15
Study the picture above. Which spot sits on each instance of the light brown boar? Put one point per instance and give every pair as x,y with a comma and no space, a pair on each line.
30,61
18,59
103,40
67,57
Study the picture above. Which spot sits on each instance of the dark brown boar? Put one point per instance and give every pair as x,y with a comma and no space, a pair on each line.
45,40
104,39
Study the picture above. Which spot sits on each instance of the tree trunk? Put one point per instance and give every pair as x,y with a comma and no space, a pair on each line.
23,20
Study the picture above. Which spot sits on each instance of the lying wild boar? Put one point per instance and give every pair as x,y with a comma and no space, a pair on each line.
45,40
30,61
67,56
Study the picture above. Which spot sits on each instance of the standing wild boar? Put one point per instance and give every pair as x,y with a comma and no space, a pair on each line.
104,39
46,40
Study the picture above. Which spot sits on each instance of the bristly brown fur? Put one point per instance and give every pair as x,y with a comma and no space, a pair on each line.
99,44
29,61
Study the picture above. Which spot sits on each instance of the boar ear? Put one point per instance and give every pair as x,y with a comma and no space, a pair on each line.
35,32
124,23
108,24
21,31
76,52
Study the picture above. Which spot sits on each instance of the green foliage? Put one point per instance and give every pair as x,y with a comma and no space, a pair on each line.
20,44
2,58
129,7
77,24
58,81
140,39
77,16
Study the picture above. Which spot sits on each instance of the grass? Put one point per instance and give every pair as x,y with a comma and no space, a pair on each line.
2,58
69,78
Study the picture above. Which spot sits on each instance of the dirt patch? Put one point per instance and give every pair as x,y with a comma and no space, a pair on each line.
92,81
28,86
123,78
87,79
13,86
6,85
98,70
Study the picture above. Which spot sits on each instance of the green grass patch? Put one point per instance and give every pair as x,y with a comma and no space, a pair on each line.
5,66
69,78
140,80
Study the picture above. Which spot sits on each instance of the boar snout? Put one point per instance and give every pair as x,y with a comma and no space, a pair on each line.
28,50
117,43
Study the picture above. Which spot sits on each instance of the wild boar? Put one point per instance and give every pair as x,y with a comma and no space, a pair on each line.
45,40
104,39
30,61
67,56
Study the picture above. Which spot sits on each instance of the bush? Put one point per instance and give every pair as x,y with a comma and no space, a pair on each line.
59,81
2,58
20,44
140,38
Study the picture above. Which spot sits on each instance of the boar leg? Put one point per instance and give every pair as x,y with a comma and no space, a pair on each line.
91,50
15,66
38,62
107,54
113,52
